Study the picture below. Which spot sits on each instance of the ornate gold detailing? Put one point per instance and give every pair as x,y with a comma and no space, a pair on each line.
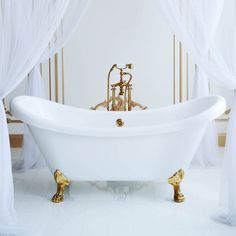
175,181
136,104
123,100
62,182
101,104
120,122
10,118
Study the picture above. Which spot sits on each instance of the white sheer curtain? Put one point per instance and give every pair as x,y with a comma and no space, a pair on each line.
26,28
31,156
219,64
207,153
195,24
225,56
69,23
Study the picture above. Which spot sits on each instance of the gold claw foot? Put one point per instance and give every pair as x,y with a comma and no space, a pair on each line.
62,182
175,181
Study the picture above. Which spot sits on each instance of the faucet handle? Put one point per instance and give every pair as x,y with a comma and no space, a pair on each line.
130,66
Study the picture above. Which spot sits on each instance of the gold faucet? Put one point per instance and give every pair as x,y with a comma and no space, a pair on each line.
123,100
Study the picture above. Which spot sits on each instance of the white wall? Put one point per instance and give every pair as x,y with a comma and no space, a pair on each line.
120,32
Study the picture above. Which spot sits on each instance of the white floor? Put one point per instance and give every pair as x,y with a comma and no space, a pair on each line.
116,209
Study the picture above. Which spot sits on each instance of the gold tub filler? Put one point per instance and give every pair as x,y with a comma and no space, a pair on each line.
121,92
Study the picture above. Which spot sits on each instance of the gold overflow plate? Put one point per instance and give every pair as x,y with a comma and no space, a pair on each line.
120,122
121,92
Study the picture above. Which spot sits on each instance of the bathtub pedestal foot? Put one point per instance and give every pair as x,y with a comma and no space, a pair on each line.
62,182
175,181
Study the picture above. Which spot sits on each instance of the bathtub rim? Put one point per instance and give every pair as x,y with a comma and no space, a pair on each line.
205,116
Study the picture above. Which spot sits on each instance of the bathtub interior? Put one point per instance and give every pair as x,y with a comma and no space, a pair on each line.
37,111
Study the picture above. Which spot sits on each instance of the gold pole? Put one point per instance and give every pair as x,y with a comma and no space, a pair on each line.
180,73
63,76
187,82
50,78
113,96
56,77
174,69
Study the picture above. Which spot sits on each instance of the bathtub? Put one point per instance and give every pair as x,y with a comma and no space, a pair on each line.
86,145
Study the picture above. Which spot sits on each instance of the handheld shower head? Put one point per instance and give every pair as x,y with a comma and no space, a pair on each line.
124,66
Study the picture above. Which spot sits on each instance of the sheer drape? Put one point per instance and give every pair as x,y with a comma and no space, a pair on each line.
31,156
225,55
207,152
195,24
26,28
69,23
219,64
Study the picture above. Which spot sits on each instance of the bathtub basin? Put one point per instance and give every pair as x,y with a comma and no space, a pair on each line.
86,145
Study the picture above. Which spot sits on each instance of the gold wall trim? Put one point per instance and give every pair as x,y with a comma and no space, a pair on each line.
180,73
187,78
221,139
56,78
63,75
16,140
174,69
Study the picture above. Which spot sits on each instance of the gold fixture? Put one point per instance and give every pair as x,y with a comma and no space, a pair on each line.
10,118
120,122
123,100
175,181
62,182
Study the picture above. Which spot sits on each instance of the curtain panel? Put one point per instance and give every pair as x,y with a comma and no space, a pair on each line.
26,27
31,156
195,24
207,28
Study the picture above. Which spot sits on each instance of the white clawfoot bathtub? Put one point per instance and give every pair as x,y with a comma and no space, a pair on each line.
88,145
